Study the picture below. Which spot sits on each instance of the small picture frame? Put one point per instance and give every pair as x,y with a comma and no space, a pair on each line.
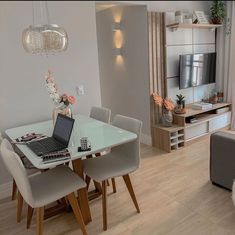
199,17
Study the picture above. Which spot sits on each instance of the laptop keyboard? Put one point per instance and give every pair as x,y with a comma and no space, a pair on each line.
50,144
46,145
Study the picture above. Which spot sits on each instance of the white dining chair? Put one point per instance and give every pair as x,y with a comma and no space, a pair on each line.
29,167
100,113
121,161
42,189
104,115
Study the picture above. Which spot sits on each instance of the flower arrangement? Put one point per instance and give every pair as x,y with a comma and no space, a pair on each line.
63,100
166,103
168,107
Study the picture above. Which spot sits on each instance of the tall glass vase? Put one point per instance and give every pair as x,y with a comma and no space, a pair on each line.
167,118
65,110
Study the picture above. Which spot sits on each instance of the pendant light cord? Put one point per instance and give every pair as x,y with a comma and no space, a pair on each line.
33,12
43,12
47,12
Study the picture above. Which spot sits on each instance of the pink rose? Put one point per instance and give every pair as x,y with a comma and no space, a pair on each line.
71,99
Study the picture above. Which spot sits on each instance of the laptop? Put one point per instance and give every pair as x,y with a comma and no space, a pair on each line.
59,139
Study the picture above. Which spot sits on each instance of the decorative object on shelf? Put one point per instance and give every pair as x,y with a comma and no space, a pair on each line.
187,18
199,17
168,106
44,38
167,118
213,98
180,107
220,96
178,17
218,12
62,102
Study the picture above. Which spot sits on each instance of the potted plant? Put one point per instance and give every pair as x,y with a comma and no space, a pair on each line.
180,104
218,12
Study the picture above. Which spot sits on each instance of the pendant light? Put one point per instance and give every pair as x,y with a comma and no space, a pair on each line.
44,38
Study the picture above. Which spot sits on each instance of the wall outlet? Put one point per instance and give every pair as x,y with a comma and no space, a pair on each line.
80,90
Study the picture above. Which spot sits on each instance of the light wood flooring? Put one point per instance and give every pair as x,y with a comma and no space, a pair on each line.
174,194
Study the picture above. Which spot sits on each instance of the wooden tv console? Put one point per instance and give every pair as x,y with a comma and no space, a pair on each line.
182,131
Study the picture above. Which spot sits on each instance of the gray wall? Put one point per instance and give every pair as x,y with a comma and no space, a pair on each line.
125,81
23,96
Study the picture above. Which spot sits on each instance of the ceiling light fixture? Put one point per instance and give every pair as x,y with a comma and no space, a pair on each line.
44,39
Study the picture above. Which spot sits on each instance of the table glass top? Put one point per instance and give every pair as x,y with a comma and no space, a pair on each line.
101,136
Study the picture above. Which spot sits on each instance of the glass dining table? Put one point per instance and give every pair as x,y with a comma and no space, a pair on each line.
101,136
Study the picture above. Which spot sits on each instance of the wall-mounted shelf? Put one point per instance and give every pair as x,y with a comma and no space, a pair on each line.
176,26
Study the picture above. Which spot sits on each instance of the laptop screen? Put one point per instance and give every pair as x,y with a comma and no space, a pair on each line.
63,129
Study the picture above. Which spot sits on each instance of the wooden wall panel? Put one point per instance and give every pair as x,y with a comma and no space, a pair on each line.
157,65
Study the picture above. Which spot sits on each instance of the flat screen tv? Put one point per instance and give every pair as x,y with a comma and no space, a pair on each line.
197,69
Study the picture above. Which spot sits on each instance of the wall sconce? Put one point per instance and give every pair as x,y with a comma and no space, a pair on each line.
117,51
116,26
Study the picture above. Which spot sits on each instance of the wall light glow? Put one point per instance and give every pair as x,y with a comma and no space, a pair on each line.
118,39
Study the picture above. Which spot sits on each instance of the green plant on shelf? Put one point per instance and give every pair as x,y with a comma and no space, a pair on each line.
218,12
180,99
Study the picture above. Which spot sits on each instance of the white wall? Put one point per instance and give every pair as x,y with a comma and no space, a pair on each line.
23,96
125,80
186,41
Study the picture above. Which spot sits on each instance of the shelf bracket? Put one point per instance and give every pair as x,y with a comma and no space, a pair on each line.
211,29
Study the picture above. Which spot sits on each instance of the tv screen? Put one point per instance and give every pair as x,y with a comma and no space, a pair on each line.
197,69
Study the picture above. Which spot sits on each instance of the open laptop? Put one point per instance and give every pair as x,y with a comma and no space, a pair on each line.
59,139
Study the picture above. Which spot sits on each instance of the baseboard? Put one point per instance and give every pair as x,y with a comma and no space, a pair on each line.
146,139
5,190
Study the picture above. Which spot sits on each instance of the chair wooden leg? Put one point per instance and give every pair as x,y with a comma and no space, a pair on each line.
84,205
104,204
29,216
108,183
14,190
114,185
39,219
76,210
131,191
88,181
98,186
19,206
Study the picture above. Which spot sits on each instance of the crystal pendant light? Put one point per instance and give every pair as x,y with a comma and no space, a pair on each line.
44,39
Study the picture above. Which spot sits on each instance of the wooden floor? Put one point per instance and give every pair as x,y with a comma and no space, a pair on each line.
174,194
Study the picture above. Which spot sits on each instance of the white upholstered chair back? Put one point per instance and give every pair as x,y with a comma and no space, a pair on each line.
129,150
101,114
17,170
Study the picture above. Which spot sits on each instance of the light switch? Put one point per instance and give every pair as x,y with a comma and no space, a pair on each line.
80,90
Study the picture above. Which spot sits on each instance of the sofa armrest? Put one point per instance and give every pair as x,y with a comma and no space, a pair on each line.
222,159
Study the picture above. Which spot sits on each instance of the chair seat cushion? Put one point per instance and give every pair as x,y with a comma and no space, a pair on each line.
108,166
54,184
